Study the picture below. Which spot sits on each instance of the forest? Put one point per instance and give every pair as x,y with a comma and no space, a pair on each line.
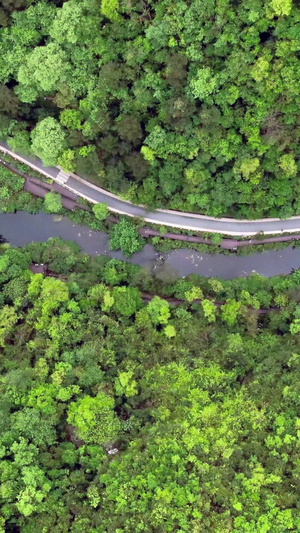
112,423
131,402
192,105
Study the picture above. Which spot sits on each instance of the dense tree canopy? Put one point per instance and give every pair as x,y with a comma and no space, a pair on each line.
121,416
190,104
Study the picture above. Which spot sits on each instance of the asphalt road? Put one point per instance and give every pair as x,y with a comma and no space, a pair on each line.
176,219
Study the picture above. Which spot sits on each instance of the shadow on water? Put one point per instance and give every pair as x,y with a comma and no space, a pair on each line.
22,228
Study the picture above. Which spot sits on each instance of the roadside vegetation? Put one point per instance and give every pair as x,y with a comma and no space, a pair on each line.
188,105
129,235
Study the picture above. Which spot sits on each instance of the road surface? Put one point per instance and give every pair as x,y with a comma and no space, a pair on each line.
175,219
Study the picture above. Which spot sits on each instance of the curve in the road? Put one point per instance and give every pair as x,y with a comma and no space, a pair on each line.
176,219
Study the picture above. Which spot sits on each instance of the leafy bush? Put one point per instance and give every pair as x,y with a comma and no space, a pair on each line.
101,211
53,202
125,236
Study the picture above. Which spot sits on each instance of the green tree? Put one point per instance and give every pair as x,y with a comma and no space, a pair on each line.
101,211
68,22
8,318
195,293
43,69
204,84
48,141
230,311
288,165
125,236
109,8
159,311
127,300
170,331
209,309
67,160
53,203
94,419
71,118
281,7
141,411
20,142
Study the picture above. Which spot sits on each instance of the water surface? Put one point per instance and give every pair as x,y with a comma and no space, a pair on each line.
23,228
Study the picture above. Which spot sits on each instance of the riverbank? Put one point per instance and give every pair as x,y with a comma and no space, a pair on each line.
22,228
247,296
162,238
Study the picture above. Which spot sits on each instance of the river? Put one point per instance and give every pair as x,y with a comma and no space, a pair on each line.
22,228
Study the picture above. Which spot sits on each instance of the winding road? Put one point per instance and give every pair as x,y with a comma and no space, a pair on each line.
176,219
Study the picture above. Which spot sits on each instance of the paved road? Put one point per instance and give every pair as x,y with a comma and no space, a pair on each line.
176,219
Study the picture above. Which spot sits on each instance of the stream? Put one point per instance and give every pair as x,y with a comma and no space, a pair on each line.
23,228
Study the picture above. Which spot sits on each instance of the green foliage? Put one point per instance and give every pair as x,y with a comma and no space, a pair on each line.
125,384
148,153
281,7
71,118
48,141
125,236
159,311
170,331
126,300
11,195
44,68
209,309
204,84
194,293
53,203
109,9
94,419
193,108
67,160
230,311
288,165
20,142
127,411
8,319
119,416
101,211
67,25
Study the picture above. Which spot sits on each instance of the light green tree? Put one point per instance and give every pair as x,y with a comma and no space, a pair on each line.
68,23
101,211
95,419
204,83
195,293
230,311
43,69
127,300
67,160
288,164
281,7
109,8
126,236
159,311
170,331
125,384
20,142
71,118
48,140
53,203
8,318
209,309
